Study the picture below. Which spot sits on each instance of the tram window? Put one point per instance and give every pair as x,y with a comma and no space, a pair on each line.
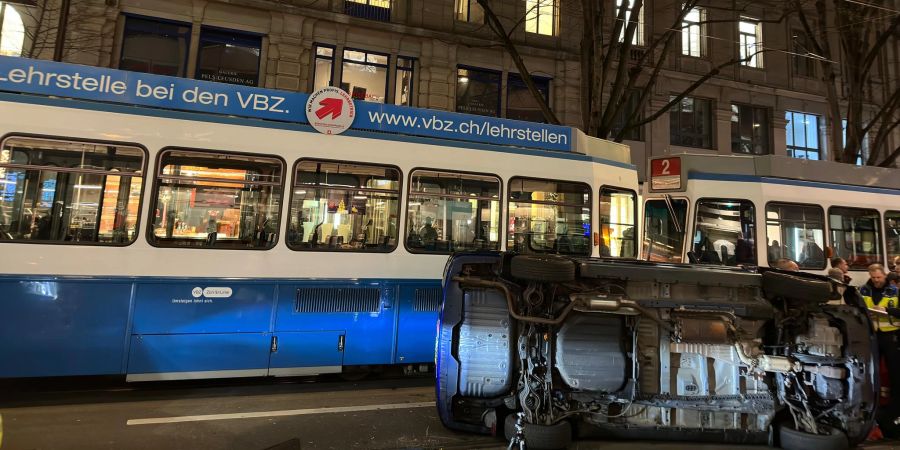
892,235
617,223
547,216
57,191
796,232
216,200
344,207
450,211
855,235
663,242
724,232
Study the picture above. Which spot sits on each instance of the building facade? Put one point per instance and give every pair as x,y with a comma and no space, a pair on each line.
440,54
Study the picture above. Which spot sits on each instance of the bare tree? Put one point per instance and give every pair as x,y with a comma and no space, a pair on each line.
609,72
863,32
500,31
42,24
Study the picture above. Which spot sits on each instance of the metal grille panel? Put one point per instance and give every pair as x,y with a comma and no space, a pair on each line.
428,299
333,299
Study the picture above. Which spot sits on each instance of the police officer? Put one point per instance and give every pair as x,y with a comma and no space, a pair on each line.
881,297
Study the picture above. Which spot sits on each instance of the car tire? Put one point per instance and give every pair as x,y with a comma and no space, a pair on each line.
544,268
791,439
541,437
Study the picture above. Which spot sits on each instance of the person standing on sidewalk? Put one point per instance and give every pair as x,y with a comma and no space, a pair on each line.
881,299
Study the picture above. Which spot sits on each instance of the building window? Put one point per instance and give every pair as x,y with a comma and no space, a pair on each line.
155,46
803,135
690,123
469,11
478,91
364,75
638,38
664,233
12,31
324,62
403,92
541,17
617,223
692,36
216,200
450,212
621,119
802,60
369,9
344,206
796,232
856,236
750,32
65,192
520,104
228,57
749,130
548,216
725,232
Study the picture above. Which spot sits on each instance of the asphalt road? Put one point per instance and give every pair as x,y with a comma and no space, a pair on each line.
248,415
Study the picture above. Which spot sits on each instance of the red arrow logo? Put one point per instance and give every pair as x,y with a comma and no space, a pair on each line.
333,106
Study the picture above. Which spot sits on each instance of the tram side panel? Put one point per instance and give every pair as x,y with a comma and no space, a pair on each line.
63,327
200,328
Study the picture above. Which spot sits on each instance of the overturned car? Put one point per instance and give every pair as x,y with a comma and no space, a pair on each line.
545,348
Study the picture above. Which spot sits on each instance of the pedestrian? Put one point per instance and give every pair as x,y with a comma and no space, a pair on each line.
893,279
881,299
835,274
786,264
841,263
897,265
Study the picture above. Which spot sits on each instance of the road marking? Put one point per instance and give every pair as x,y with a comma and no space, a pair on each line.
285,412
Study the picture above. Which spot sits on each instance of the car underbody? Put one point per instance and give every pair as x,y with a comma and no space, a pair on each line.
650,351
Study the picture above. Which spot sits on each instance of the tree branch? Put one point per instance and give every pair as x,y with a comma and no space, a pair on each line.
696,84
500,32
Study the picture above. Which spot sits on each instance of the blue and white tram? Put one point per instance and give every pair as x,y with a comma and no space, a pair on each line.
753,210
161,244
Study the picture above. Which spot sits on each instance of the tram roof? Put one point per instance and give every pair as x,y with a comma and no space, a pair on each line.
111,86
784,167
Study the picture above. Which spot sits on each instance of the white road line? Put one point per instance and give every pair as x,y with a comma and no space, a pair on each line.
286,412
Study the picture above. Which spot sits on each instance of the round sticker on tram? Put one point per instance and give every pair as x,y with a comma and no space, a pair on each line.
197,292
330,110
217,292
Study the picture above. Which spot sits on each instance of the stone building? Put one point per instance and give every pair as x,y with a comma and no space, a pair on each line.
439,54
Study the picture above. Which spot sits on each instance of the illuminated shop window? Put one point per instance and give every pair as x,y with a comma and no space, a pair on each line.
364,75
12,31
478,91
228,57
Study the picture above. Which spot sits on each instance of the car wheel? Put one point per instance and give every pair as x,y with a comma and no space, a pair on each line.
791,439
541,437
544,268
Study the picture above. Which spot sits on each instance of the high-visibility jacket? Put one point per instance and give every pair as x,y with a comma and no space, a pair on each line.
888,300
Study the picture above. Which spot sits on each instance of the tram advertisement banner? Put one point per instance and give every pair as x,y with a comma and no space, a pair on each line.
23,75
